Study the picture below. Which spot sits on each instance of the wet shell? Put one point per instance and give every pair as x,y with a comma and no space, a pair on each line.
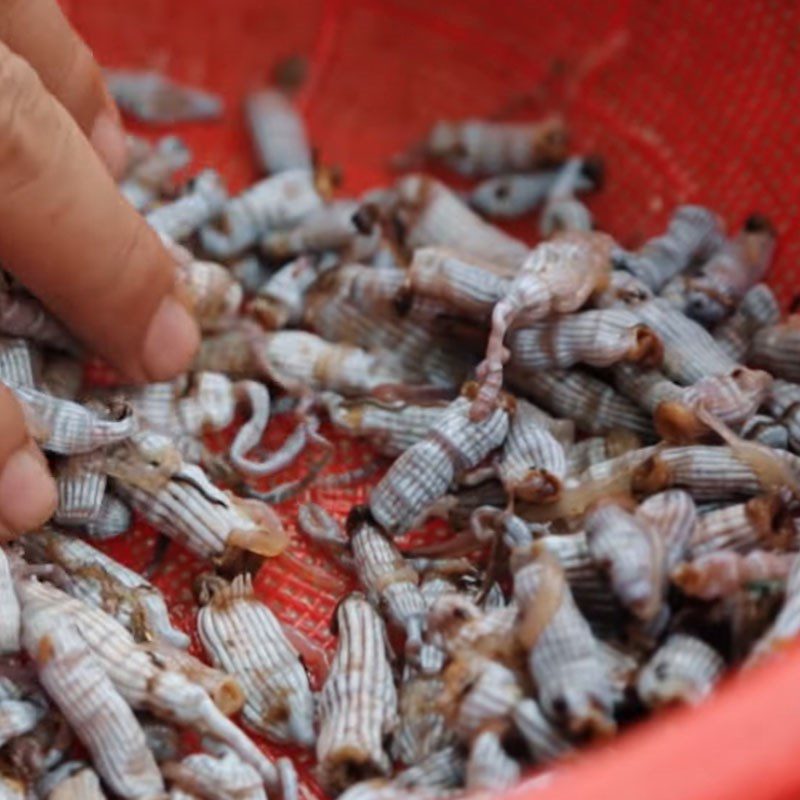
216,777
532,462
588,582
422,473
544,741
181,218
433,215
632,553
462,283
785,628
683,670
67,427
690,352
673,516
722,281
596,449
101,718
277,130
280,201
151,174
489,767
443,769
707,473
113,518
391,429
389,580
759,309
298,361
280,300
513,195
9,609
741,527
358,703
81,485
479,694
598,338
106,584
557,277
182,502
422,729
693,232
18,717
71,781
242,637
594,405
147,680
20,362
783,403
573,681
152,97
766,430
477,146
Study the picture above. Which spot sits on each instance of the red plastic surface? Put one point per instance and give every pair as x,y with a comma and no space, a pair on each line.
690,101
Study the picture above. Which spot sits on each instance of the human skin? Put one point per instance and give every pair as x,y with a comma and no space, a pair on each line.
69,236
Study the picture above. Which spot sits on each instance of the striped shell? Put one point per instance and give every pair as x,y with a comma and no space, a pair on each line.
390,582
683,670
242,637
573,681
75,680
358,703
423,473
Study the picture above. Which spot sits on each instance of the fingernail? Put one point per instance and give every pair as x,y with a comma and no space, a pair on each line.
28,495
171,341
109,141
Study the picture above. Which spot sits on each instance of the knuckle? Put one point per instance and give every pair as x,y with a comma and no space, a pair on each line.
17,84
24,113
78,83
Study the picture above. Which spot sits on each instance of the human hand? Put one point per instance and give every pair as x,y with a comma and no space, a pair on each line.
68,235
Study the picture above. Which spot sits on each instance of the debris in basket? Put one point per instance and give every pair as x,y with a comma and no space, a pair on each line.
609,439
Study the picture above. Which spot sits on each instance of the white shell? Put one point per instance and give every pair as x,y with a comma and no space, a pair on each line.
103,582
390,581
181,218
358,703
490,768
222,777
683,670
277,130
69,427
103,721
276,202
572,678
242,636
422,473
544,741
9,609
145,680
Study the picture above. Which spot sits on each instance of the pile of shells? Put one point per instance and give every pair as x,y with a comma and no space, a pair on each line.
611,435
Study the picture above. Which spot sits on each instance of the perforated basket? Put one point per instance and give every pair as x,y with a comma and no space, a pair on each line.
688,101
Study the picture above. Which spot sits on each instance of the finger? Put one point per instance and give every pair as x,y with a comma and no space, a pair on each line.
38,31
71,238
28,493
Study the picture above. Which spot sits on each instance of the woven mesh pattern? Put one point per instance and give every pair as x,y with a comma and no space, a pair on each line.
686,101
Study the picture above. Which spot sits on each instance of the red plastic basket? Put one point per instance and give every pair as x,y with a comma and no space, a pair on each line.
688,101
